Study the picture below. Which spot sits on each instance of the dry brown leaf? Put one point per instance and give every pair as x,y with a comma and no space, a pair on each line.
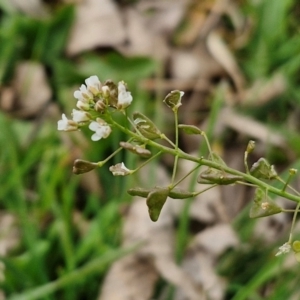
140,40
200,260
32,88
9,238
130,278
222,54
250,127
198,63
33,8
98,23
9,233
264,91
165,14
206,207
7,96
155,258
137,281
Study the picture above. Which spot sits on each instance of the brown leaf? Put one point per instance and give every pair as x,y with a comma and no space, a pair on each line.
98,23
200,259
32,88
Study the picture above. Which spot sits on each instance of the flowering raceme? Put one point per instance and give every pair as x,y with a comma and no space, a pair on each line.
95,99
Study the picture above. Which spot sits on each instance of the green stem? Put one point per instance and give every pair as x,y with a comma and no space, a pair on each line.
293,222
185,176
146,162
211,164
176,146
102,162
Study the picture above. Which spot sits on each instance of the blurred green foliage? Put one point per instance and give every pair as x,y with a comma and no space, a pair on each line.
37,186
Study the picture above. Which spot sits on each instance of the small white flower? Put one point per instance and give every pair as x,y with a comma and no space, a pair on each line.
102,130
66,125
124,97
80,116
83,94
120,170
285,248
93,84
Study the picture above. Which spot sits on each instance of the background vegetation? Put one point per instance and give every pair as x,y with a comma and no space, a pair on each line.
60,233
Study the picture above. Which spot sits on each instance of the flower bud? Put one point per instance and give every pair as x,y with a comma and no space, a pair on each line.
113,93
250,146
100,106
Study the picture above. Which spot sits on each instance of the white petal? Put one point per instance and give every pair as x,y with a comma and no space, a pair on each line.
93,81
94,126
95,137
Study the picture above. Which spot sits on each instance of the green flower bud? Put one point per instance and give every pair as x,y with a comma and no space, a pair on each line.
250,146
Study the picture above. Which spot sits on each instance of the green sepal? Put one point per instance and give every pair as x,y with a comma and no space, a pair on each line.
155,202
146,127
263,206
263,169
190,129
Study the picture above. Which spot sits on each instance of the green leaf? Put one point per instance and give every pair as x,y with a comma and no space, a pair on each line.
263,206
155,201
190,129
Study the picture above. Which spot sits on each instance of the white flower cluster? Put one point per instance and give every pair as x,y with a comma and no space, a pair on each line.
93,100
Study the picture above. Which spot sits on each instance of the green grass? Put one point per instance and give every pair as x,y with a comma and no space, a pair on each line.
55,258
